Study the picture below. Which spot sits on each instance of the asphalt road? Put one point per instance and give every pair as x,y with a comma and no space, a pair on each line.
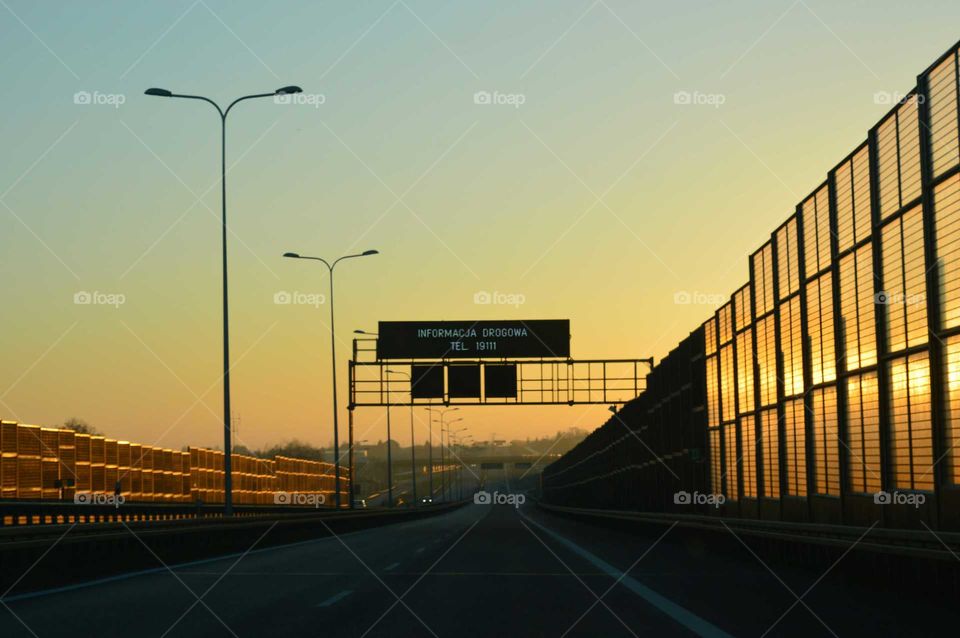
483,570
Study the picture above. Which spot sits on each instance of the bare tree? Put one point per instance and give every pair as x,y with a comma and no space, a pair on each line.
79,426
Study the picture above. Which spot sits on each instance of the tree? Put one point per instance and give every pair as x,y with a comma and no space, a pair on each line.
295,449
79,426
242,449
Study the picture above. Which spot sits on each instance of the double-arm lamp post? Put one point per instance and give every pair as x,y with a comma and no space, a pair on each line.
333,363
413,439
287,90
389,442
430,442
456,438
445,487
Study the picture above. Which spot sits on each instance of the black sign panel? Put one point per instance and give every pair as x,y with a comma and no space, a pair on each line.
500,382
539,338
463,381
427,382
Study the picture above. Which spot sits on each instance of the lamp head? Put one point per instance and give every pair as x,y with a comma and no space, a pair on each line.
292,255
158,92
288,90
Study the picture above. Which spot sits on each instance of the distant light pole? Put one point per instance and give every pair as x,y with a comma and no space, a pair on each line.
430,455
442,471
458,441
448,487
413,440
227,439
462,464
389,446
333,363
473,442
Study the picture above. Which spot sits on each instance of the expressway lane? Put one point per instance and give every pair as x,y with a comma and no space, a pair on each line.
483,570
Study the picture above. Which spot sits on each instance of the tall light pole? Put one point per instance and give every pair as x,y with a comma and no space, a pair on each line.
413,440
442,471
333,364
227,439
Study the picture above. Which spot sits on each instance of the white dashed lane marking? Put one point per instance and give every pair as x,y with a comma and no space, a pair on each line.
336,598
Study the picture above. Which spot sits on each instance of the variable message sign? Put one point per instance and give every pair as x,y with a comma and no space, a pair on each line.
538,338
426,382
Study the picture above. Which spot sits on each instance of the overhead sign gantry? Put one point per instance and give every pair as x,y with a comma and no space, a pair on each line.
509,362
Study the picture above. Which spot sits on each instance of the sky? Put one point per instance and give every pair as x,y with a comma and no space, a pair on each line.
605,162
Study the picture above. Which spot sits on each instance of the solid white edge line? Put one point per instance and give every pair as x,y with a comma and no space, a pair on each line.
680,614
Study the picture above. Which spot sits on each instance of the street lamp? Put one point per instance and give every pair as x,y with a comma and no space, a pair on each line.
287,90
413,440
333,364
430,454
457,440
463,440
389,446
442,413
445,486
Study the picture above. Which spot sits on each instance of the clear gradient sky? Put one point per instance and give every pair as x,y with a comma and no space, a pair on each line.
598,199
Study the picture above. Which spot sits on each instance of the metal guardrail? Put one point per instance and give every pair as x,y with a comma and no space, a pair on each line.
900,542
20,513
31,519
